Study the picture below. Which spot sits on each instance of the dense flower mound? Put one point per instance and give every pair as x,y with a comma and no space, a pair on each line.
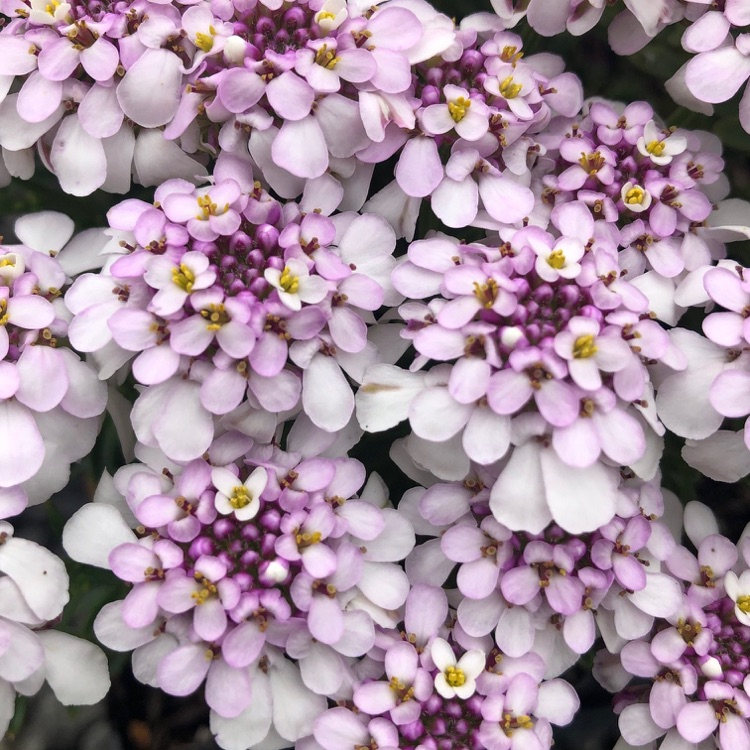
74,63
238,300
697,659
234,566
716,34
438,700
33,592
539,330
550,593
47,392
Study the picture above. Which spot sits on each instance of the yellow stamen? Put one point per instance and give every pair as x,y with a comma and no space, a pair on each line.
325,15
592,163
556,259
656,147
4,316
205,41
635,196
743,603
510,723
486,293
584,347
326,58
307,539
509,89
184,278
216,316
209,589
288,281
458,108
208,207
402,692
454,676
511,54
240,497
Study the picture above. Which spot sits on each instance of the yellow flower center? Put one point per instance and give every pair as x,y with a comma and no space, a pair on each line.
206,592
209,208
743,603
240,497
216,316
511,54
4,316
486,293
592,163
556,259
458,108
52,6
635,196
584,347
454,676
510,723
325,15
184,278
326,58
509,89
288,281
205,41
656,147
403,693
307,539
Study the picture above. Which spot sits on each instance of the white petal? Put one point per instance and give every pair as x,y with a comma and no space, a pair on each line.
77,158
327,397
75,669
580,500
93,532
40,575
384,398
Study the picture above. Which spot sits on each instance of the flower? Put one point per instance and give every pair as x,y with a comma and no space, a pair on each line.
456,677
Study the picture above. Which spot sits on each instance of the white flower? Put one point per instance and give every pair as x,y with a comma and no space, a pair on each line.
636,198
456,678
559,261
295,285
331,15
738,590
240,498
660,145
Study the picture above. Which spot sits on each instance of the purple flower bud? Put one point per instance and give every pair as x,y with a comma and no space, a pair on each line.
271,520
240,243
223,527
268,544
249,558
201,546
430,95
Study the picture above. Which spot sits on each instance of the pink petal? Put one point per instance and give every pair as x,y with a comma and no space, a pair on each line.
300,148
23,447
419,170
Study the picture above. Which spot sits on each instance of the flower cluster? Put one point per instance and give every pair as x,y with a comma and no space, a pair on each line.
233,567
235,304
716,34
696,661
47,393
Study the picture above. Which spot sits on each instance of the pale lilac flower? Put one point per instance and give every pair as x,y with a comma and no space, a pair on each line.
521,716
